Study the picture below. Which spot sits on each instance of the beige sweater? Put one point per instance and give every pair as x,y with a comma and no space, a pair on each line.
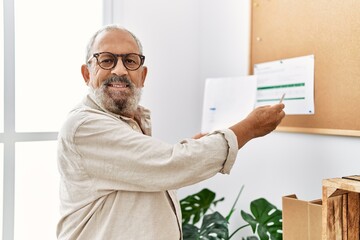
117,182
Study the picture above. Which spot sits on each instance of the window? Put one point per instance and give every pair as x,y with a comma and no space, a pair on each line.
36,192
1,114
50,48
45,45
1,184
1,72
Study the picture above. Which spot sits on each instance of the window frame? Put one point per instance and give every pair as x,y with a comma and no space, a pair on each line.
10,137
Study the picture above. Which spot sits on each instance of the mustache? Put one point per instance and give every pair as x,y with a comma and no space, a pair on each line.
115,78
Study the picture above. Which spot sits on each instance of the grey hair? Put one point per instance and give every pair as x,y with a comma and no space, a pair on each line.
109,28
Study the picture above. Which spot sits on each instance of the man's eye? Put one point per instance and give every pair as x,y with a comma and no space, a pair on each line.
131,61
107,60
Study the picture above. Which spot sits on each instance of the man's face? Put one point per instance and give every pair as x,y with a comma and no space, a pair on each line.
117,89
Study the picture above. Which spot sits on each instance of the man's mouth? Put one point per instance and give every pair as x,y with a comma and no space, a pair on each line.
118,85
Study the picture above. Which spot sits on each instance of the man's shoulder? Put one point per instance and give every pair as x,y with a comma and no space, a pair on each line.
84,115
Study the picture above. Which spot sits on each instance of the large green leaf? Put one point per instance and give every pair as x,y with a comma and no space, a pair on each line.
214,227
190,232
193,207
266,219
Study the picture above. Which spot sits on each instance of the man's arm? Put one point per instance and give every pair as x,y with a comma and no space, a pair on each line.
258,123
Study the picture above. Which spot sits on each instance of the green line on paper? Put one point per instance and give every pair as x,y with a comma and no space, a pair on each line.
277,99
282,86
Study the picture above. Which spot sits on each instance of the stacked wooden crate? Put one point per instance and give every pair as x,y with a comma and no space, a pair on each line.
341,209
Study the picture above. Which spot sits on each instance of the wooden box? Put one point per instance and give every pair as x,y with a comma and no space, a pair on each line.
341,209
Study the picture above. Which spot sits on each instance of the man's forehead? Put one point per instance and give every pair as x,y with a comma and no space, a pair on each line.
115,37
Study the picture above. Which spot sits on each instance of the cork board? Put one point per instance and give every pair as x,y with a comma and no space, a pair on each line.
329,29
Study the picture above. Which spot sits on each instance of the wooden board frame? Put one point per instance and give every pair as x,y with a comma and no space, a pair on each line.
329,29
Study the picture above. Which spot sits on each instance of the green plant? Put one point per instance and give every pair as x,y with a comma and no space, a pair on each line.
198,224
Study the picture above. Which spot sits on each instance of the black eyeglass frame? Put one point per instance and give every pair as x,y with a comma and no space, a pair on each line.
116,57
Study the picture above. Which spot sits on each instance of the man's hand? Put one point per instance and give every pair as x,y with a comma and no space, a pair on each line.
199,135
259,122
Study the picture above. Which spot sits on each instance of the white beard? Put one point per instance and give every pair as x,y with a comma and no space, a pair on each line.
125,105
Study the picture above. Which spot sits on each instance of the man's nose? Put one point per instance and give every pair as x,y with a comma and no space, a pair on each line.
119,69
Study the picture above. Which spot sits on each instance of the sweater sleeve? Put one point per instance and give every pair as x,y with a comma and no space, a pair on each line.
115,157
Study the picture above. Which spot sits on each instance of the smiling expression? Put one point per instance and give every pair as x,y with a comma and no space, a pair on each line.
117,89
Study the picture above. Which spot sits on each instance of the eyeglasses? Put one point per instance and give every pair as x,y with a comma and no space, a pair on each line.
108,60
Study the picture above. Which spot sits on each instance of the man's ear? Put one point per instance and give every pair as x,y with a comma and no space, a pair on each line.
143,75
85,73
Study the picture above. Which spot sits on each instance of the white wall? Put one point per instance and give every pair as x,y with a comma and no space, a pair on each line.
170,34
186,41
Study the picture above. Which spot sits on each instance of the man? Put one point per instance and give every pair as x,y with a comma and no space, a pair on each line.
117,182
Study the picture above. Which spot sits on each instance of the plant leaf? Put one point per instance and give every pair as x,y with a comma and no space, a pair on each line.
190,232
250,219
193,207
266,219
251,238
214,227
232,210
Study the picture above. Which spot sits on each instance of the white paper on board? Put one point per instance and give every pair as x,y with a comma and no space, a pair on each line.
294,77
227,101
